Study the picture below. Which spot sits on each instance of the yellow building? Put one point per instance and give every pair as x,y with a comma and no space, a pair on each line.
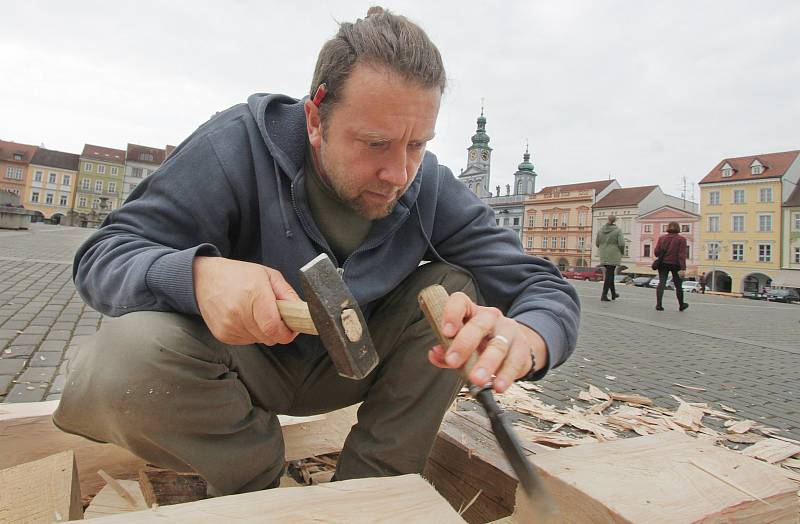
741,220
50,184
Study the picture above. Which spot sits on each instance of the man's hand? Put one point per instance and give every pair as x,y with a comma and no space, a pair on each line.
474,328
237,301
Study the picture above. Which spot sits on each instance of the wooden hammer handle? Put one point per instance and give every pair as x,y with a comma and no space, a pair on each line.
432,300
295,314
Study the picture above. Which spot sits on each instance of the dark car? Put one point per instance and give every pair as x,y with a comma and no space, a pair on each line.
583,273
783,295
642,281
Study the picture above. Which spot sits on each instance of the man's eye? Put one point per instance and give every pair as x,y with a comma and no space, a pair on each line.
377,145
416,146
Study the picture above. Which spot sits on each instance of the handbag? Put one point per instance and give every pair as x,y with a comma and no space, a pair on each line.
657,262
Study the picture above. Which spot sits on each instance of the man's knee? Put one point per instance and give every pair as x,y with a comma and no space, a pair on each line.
451,278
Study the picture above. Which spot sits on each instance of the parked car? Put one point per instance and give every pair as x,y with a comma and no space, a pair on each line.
623,279
755,295
691,286
654,283
583,273
783,295
642,281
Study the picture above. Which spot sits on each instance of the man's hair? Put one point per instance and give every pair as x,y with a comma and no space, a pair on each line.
673,227
382,39
612,219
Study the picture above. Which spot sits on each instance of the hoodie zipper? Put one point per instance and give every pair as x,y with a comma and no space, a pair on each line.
376,243
321,243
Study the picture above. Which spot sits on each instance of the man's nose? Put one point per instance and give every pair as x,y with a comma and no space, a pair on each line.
394,171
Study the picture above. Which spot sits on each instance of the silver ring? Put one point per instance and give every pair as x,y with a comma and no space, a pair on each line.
502,339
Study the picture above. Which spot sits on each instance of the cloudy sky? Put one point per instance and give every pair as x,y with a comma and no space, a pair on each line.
648,92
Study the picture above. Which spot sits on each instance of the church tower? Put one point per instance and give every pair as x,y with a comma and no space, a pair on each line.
479,156
525,177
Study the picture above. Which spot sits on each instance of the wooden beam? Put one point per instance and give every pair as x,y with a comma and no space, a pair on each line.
165,487
665,477
27,433
402,499
45,490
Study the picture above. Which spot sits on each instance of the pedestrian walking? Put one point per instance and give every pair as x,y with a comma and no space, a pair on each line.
670,258
702,283
611,244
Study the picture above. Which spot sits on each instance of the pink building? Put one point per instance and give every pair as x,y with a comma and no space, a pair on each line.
654,224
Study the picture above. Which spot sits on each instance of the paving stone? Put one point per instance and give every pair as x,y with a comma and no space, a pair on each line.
37,375
58,335
17,352
35,330
11,366
53,345
26,339
63,326
85,330
38,321
14,324
46,359
24,393
5,384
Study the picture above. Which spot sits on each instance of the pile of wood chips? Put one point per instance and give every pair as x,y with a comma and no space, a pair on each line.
611,415
313,470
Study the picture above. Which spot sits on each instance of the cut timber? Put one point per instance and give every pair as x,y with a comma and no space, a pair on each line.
407,498
45,490
109,502
166,487
27,433
772,450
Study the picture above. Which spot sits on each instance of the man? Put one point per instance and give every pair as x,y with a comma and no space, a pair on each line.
193,374
611,242
702,281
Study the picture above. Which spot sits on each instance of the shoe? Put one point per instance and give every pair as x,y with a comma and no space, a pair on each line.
683,306
615,296
605,299
659,308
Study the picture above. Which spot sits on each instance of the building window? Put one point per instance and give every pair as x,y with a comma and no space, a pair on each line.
664,228
112,187
713,224
530,242
755,170
737,252
87,166
82,201
531,220
35,197
66,180
136,172
546,221
646,252
113,171
797,255
63,200
765,223
713,250
648,228
51,178
627,251
581,219
37,177
17,156
727,171
110,205
685,228
145,157
737,223
581,243
738,196
14,173
689,251
553,242
713,198
544,242
48,199
765,194
505,221
765,252
95,203
554,220
98,185
563,242
797,221
101,168
497,221
516,221
564,219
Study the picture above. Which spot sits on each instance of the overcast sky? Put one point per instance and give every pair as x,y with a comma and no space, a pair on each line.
648,92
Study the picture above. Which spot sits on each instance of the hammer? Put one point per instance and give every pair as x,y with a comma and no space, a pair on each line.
332,313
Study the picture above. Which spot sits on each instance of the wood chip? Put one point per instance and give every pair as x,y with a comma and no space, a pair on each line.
527,386
749,438
727,408
743,426
791,463
116,486
631,397
693,388
598,393
585,396
599,408
610,377
772,450
689,417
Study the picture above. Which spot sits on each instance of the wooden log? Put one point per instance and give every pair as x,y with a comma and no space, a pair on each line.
165,487
402,499
27,433
45,490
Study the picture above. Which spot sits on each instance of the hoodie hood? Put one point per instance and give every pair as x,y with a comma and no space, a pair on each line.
608,228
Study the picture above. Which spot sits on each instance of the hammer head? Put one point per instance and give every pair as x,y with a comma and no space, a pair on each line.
338,319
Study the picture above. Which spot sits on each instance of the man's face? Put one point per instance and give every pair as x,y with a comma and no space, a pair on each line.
374,138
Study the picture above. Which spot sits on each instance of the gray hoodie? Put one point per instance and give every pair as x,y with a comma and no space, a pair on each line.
235,188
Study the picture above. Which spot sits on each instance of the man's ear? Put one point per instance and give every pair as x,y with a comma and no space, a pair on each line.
313,124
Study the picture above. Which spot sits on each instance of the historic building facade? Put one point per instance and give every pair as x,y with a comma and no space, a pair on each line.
140,163
654,224
51,182
14,161
99,191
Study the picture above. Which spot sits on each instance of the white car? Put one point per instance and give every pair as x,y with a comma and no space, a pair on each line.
654,283
691,286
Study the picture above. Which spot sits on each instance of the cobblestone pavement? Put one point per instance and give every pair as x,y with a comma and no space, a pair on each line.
744,353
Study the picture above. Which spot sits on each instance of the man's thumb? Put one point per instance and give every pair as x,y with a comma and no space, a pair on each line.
280,287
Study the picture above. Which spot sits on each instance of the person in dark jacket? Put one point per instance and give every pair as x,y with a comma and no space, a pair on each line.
196,369
671,248
702,280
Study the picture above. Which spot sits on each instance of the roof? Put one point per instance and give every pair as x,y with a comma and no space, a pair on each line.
137,153
629,196
672,209
103,154
9,149
794,198
59,159
775,165
597,186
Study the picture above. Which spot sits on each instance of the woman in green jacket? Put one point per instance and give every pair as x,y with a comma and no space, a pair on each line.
611,244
